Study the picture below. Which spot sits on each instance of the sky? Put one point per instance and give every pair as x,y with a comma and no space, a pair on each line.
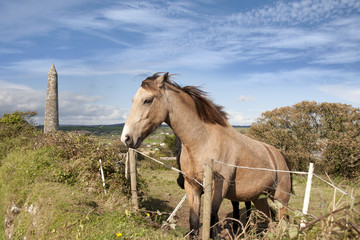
250,56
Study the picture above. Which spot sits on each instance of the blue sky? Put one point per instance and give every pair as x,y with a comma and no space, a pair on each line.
250,56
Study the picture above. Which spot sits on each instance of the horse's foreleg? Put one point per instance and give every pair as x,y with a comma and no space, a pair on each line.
194,200
219,190
236,215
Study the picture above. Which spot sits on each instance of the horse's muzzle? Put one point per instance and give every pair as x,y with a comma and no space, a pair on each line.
130,143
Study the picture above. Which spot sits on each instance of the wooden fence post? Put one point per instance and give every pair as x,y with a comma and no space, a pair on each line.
208,180
127,165
132,163
307,193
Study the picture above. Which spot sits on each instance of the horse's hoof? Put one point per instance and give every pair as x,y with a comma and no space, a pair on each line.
214,233
192,234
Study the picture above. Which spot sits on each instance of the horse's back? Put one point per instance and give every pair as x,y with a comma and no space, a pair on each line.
256,173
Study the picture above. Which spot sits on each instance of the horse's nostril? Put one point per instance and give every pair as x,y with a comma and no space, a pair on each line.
127,140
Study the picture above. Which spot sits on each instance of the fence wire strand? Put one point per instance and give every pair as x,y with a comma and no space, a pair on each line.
262,169
245,167
168,166
332,185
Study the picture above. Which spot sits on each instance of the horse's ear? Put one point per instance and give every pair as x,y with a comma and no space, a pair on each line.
162,79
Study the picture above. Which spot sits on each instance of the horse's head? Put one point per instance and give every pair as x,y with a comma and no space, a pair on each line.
148,111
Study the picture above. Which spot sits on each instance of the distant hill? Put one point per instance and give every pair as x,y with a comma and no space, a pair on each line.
93,129
105,129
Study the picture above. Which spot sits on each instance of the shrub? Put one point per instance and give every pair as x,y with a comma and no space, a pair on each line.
16,123
169,140
15,130
77,158
327,134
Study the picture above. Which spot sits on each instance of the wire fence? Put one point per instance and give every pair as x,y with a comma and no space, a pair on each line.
168,166
245,167
293,199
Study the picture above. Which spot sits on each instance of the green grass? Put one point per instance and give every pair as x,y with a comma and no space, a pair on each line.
55,183
162,188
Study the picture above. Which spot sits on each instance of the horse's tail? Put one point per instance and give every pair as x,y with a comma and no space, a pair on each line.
289,167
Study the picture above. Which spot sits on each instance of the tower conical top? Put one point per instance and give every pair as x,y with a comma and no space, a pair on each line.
52,70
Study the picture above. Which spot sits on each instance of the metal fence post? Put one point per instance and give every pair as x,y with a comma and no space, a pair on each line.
307,193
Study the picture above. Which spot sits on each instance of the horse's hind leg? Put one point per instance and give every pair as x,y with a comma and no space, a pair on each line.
282,193
262,205
248,210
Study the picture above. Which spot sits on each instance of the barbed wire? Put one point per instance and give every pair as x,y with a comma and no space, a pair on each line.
262,169
268,187
332,185
246,167
168,166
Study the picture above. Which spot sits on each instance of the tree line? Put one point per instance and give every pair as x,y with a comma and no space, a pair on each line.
327,134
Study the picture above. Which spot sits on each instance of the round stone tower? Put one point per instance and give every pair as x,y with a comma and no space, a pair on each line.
51,107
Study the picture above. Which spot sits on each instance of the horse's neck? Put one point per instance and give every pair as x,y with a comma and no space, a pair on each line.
185,122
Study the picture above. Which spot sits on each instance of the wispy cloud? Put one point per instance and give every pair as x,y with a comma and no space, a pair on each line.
19,19
310,76
339,57
297,12
179,36
246,98
345,92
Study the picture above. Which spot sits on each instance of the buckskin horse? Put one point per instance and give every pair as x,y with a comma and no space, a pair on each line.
206,134
181,183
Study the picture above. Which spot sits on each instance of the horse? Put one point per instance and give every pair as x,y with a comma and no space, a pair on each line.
181,183
207,135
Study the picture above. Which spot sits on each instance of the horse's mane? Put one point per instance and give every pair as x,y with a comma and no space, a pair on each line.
206,109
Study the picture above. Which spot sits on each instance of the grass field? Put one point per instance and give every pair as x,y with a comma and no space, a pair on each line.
164,193
51,188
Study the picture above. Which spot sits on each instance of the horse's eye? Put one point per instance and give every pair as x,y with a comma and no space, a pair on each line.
148,101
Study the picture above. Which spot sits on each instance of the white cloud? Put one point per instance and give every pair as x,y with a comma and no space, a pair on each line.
73,108
84,109
345,92
310,76
238,118
245,98
16,97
